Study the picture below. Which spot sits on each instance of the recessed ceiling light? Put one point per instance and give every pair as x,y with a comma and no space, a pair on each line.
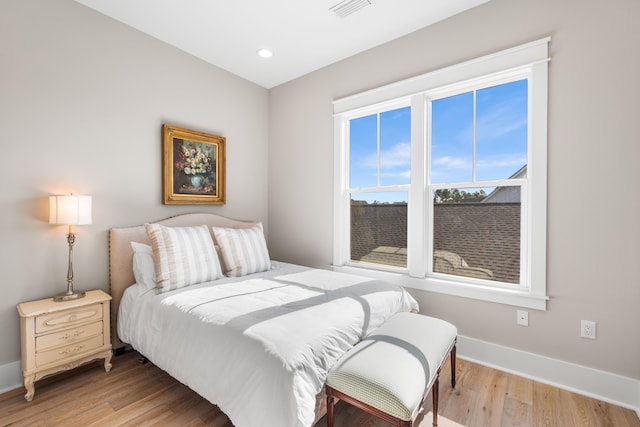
265,53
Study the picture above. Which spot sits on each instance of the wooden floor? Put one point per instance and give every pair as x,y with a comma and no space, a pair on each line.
133,394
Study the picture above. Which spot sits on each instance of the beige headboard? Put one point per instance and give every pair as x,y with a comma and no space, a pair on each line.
121,255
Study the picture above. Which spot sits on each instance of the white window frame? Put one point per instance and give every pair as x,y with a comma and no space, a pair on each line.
525,61
346,198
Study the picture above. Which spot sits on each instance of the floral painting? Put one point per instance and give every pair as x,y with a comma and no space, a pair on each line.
193,167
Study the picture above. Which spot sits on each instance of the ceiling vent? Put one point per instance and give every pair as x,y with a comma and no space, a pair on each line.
349,7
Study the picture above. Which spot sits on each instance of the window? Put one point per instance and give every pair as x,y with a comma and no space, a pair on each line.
379,177
441,180
477,170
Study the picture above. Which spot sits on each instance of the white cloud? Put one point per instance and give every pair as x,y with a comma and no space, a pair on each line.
404,174
450,162
397,156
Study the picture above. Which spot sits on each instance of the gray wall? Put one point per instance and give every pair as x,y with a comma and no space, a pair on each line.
593,165
82,101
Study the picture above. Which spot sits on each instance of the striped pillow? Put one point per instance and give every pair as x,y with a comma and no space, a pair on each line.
243,250
182,256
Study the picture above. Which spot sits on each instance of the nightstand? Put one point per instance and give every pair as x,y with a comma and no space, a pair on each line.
58,336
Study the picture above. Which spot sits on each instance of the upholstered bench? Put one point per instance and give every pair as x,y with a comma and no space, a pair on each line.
390,372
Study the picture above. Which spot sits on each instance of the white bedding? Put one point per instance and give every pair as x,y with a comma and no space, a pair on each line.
259,346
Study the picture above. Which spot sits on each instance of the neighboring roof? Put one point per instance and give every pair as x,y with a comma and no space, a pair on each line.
486,236
507,194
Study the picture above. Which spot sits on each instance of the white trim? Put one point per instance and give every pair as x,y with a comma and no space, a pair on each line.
475,289
536,196
612,388
10,376
416,206
528,61
526,54
340,199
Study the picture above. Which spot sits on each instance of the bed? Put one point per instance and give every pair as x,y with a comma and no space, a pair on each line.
255,338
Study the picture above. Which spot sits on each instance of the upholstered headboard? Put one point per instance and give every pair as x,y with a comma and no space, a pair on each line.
121,255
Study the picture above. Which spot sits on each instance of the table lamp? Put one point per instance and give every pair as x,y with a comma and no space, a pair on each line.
69,210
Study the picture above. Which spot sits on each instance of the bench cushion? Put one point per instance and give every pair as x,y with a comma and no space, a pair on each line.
393,368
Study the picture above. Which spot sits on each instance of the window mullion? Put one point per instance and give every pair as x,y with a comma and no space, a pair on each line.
385,188
524,238
487,183
416,214
378,147
475,124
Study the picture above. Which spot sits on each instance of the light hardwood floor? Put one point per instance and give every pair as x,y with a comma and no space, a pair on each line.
135,394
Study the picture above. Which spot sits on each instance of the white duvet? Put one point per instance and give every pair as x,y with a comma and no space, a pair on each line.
259,347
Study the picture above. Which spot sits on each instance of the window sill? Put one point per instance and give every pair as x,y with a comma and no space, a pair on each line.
498,295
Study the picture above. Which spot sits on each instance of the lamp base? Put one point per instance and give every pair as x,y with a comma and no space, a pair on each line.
68,296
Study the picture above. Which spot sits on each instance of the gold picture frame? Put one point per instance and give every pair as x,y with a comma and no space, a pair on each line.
193,167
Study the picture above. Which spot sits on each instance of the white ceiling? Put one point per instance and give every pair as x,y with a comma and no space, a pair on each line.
304,35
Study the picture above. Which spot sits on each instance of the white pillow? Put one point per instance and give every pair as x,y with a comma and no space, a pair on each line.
182,256
243,250
143,269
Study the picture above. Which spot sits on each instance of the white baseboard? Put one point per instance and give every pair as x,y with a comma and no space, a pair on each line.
10,376
605,386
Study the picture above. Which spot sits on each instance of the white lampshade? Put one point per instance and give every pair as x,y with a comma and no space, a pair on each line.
70,210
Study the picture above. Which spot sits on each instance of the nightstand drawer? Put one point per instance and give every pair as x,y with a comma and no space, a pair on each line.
68,336
68,351
63,319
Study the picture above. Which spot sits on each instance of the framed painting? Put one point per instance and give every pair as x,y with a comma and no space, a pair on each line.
193,167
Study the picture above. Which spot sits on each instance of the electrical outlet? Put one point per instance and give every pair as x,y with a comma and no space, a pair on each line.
588,329
523,318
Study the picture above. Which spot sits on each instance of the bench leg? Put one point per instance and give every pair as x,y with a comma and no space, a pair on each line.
330,402
453,366
435,393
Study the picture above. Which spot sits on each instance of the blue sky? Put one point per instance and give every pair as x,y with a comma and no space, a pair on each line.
501,140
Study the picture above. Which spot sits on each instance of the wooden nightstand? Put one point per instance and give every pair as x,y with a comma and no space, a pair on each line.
58,336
